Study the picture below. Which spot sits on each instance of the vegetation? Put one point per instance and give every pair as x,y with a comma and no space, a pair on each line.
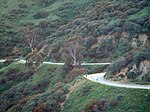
106,31
45,90
74,32
133,61
106,98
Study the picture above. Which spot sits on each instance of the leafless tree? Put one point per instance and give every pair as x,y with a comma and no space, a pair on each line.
29,37
73,50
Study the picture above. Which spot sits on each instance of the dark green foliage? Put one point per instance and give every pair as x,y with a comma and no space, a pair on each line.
57,20
19,86
51,99
17,13
24,91
41,14
131,75
89,42
6,63
23,5
86,89
141,55
147,77
127,61
45,2
8,41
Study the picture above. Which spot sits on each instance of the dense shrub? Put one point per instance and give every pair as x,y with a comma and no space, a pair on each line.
16,13
23,5
45,2
147,76
103,51
89,42
131,75
7,62
43,24
39,86
51,105
86,89
131,26
141,55
40,108
41,14
132,11
58,95
47,102
74,73
100,105
66,6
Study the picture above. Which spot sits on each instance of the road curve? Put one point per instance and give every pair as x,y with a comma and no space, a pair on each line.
99,78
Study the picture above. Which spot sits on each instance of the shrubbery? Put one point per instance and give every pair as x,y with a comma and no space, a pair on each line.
45,2
147,77
100,105
17,13
131,75
23,5
74,73
41,14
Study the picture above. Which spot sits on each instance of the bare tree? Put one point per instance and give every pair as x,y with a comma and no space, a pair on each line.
73,50
34,59
29,37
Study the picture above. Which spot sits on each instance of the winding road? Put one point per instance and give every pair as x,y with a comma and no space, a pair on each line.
97,77
52,63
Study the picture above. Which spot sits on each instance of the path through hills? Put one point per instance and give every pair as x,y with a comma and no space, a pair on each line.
97,77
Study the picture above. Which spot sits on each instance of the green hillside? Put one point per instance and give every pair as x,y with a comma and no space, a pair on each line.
100,23
45,90
74,32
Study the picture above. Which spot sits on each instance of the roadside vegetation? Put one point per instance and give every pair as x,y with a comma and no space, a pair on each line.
73,32
46,89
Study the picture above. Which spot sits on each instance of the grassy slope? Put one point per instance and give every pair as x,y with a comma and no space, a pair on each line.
134,100
6,6
51,72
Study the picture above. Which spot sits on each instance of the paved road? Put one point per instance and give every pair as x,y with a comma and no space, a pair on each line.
52,63
99,78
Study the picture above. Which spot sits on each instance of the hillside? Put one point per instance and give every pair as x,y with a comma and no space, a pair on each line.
74,32
107,27
46,91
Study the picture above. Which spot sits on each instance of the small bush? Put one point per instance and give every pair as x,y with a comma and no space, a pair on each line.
131,75
51,105
43,24
132,11
97,106
40,108
45,2
74,73
23,5
41,14
147,76
86,89
58,95
16,13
